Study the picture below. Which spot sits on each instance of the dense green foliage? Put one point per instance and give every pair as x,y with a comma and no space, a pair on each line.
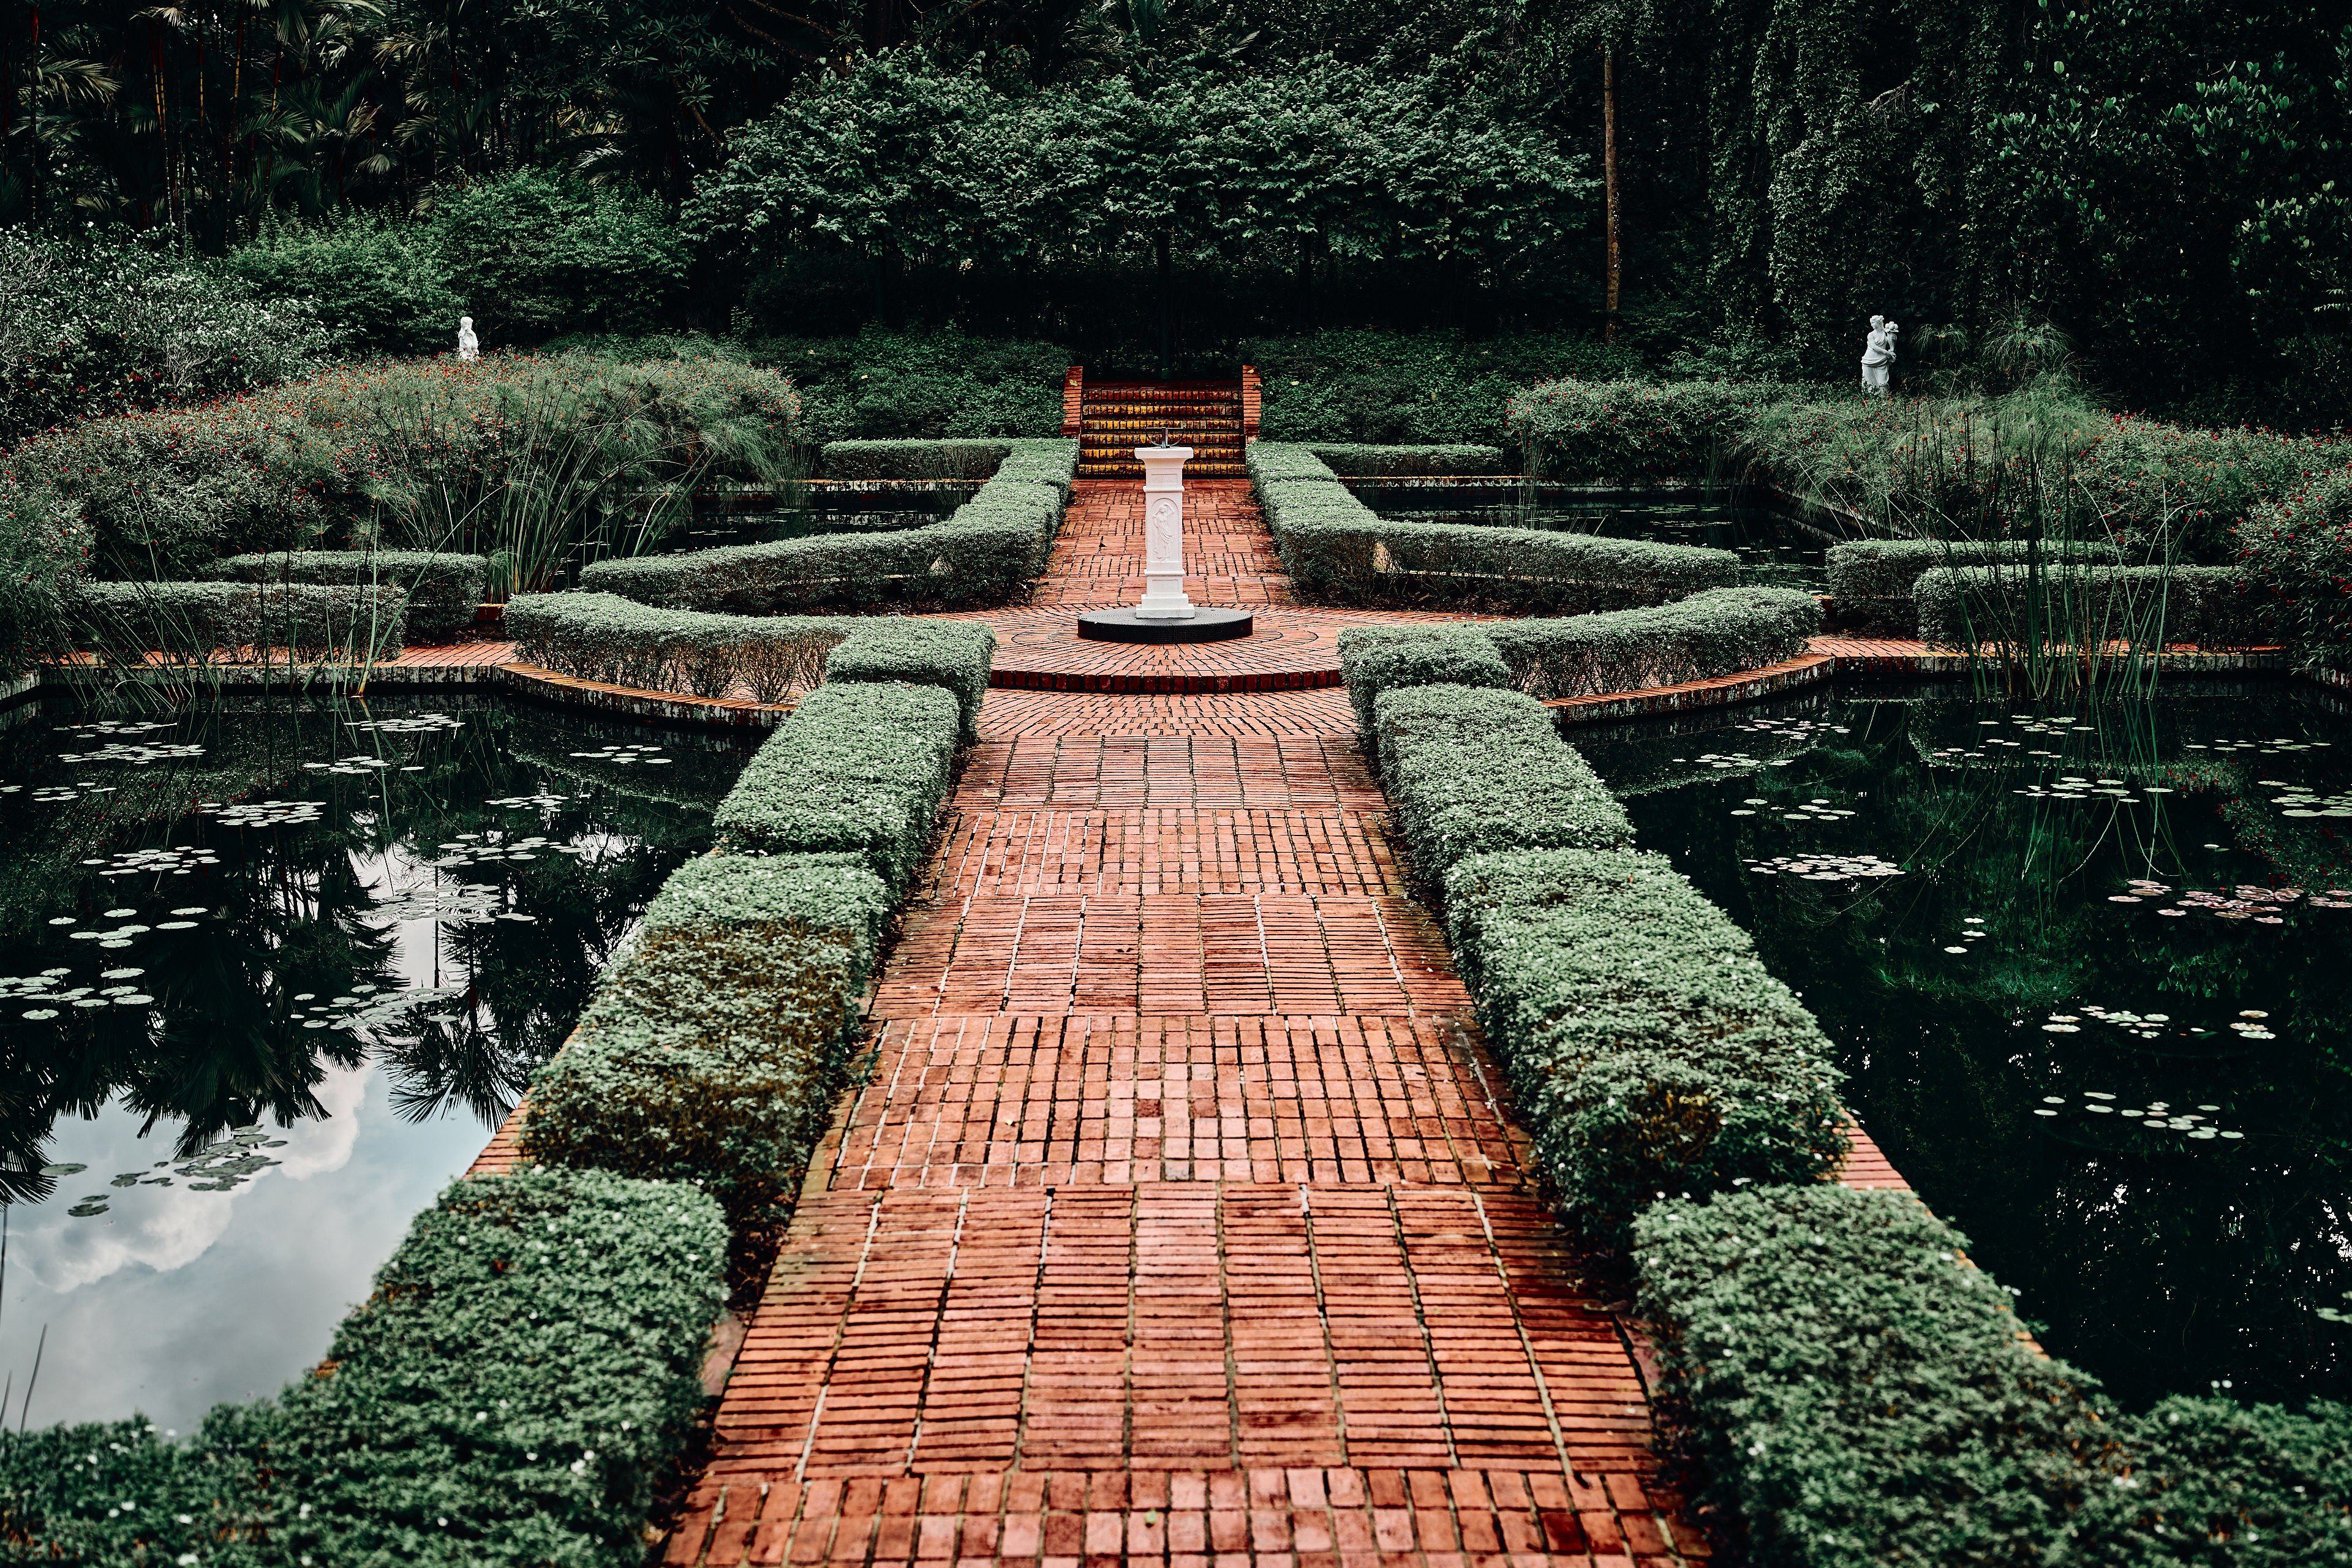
1651,1052
1856,1391
442,591
1356,459
1335,547
1721,632
986,550
711,1051
619,642
1469,769
1367,386
912,460
2088,606
859,767
205,623
522,1376
1871,580
955,656
2296,556
92,327
1374,659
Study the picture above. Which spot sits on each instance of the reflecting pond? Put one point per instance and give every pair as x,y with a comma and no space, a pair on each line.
2090,970
1773,551
275,970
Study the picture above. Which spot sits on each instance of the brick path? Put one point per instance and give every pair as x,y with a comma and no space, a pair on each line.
1180,1219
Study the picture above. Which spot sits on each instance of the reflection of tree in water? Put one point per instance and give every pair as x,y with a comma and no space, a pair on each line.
2165,1264
230,1039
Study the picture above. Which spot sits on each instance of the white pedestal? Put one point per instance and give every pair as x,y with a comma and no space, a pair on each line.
1163,534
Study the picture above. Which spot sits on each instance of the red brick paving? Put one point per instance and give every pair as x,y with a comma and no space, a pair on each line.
1180,1219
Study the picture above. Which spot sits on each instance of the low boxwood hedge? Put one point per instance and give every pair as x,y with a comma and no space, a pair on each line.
116,1494
619,642
1374,659
912,460
1721,632
1855,1392
1356,459
711,1049
1650,1050
216,622
2209,606
858,767
1333,546
1871,580
956,655
444,591
986,549
1469,770
527,1368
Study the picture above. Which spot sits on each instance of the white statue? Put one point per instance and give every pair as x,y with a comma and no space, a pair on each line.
470,347
1878,355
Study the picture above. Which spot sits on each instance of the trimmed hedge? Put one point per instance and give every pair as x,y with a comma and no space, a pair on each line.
1717,633
619,642
1633,432
1872,579
1650,1049
2297,554
1374,659
711,1049
526,1371
443,590
986,549
1356,459
1856,1393
913,459
62,1488
858,767
1334,546
1469,771
193,622
2205,606
956,655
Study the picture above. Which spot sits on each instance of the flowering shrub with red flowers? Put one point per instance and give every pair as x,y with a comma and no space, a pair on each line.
2297,554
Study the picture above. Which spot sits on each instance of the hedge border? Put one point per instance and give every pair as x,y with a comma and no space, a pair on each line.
444,591
2209,607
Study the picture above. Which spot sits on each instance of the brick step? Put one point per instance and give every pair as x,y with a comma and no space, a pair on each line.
1184,421
1195,470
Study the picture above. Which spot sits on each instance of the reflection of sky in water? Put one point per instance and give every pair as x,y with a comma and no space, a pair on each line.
165,1306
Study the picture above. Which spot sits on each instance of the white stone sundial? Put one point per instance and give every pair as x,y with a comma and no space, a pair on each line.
1165,614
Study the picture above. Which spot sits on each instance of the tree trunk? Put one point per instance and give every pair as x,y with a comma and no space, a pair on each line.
1609,180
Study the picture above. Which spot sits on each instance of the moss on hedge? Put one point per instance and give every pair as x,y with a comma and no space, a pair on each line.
857,767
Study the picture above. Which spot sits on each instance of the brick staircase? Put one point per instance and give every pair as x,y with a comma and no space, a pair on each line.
1114,417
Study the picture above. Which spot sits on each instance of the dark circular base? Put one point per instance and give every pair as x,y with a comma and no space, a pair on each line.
1126,626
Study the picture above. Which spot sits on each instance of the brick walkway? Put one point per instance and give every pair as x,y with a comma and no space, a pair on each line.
1180,1220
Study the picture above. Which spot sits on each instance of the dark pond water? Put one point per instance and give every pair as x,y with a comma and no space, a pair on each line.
273,972
2090,971
1773,552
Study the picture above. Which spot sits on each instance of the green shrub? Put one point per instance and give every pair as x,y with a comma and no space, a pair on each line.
2296,556
1721,632
1374,659
1367,385
1650,1050
379,280
913,459
1334,546
235,622
1856,1392
91,328
711,1049
619,642
443,591
955,655
1633,432
1468,771
531,254
62,1489
986,550
2088,607
1871,580
1399,461
524,1375
858,767
922,383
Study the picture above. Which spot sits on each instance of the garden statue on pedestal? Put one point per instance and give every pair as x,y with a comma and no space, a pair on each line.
468,345
1878,355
